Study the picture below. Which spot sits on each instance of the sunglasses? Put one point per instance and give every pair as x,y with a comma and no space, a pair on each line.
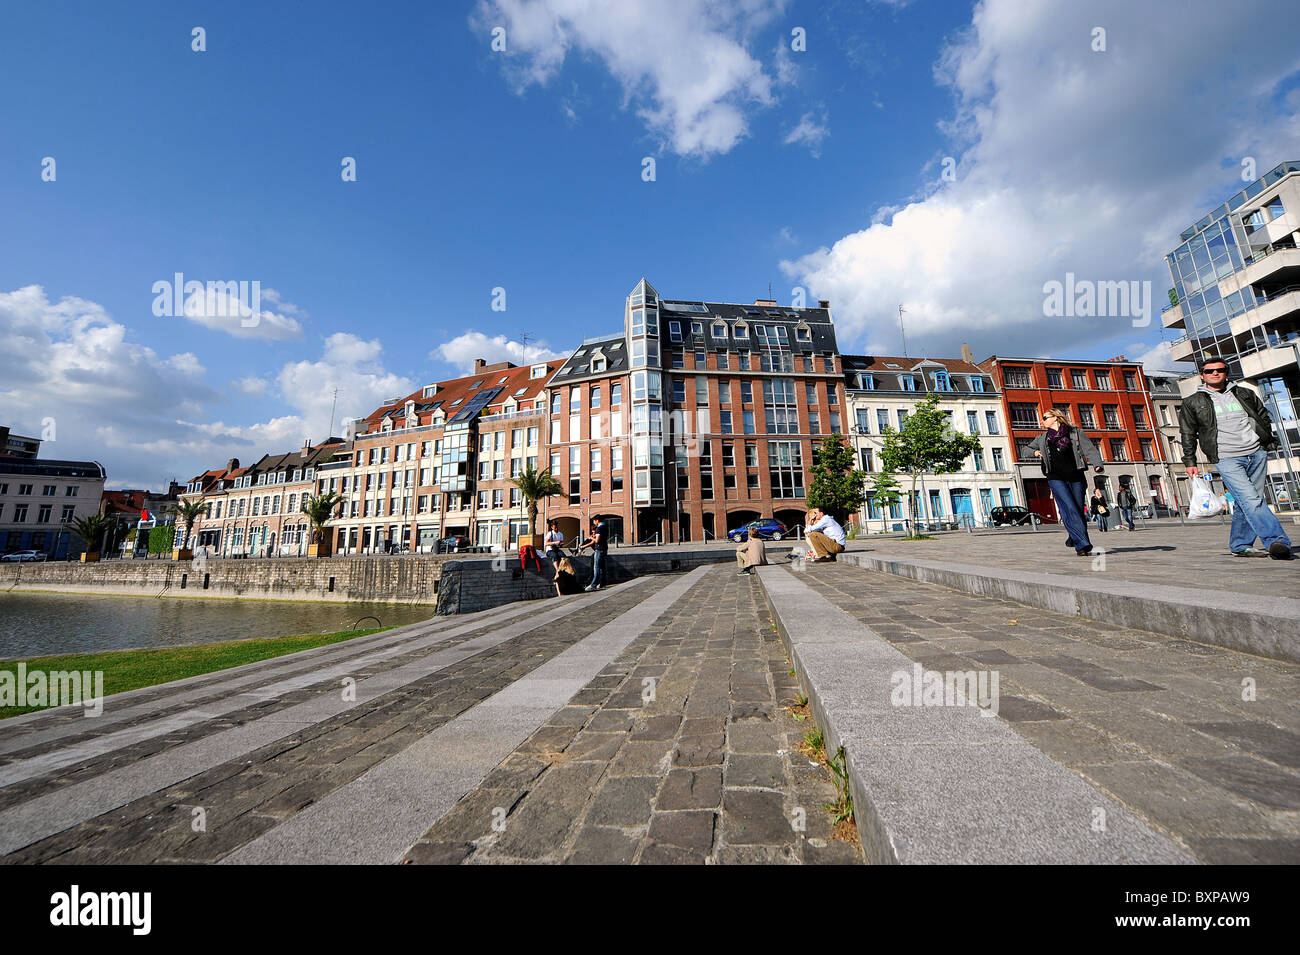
1214,371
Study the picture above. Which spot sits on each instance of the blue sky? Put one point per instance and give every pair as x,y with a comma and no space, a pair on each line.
522,169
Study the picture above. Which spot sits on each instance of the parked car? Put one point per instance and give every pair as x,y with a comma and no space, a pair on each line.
768,529
1015,515
452,544
22,556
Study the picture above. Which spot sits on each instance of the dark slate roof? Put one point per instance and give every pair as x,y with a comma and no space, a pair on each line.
887,371
820,327
578,365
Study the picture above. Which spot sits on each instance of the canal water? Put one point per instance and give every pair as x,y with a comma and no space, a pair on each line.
41,624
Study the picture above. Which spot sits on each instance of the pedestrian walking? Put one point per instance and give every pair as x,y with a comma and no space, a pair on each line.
1235,432
824,535
1099,509
598,541
1065,453
554,541
751,554
1125,501
1228,499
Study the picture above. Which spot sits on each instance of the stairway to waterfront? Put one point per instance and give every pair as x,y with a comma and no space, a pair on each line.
651,722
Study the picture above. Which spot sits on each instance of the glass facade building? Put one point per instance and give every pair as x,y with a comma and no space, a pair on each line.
1236,295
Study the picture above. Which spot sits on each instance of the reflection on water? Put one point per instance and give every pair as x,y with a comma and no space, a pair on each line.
41,624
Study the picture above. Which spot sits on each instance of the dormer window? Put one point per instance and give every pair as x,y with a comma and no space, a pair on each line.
941,382
697,328
675,332
867,382
803,334
429,391
908,382
719,329
598,363
741,330
976,383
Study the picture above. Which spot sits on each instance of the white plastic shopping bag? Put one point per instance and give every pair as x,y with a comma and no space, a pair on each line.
1204,503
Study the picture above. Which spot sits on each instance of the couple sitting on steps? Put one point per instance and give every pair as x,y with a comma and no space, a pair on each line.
824,535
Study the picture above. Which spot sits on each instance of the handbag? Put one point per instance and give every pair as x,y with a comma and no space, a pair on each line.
1103,510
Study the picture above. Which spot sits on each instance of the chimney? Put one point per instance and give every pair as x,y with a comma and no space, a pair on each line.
232,464
479,364
823,303
966,354
765,301
306,449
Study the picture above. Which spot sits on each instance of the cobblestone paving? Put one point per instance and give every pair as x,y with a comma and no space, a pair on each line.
1163,553
704,770
1158,723
243,798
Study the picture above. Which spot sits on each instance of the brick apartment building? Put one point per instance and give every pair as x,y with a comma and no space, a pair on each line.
439,462
696,418
1109,400
255,511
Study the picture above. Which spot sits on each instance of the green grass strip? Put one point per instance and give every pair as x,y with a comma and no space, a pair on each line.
131,669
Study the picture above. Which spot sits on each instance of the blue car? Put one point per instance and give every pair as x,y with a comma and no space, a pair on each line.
768,528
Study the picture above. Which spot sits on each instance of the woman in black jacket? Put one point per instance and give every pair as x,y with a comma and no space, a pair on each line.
1065,453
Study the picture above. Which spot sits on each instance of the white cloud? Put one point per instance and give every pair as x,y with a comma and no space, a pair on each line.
1065,162
222,311
253,387
1157,360
683,64
811,132
463,349
143,415
350,364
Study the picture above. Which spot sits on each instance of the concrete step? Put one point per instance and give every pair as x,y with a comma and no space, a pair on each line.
1252,623
942,783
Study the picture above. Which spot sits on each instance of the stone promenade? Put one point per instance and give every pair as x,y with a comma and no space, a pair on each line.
648,723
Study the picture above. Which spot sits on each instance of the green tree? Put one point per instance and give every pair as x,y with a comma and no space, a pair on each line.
886,491
837,485
536,486
320,511
162,538
91,530
926,444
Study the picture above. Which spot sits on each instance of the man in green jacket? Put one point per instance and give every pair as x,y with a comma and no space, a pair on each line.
1235,432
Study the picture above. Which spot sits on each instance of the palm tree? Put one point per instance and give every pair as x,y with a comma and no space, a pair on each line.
320,511
187,512
91,530
536,486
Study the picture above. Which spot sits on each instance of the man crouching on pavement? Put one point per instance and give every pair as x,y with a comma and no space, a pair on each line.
824,535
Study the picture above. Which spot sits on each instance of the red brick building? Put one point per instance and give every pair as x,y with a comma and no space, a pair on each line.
695,419
1109,400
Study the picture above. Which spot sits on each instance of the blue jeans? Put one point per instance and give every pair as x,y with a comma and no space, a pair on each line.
1069,501
597,568
1127,513
1244,476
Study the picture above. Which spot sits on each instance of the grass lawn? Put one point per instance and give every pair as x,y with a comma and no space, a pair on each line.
131,669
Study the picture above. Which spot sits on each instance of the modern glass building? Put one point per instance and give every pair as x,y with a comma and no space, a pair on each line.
1236,294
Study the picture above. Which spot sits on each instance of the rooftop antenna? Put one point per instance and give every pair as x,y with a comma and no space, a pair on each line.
523,344
900,328
330,433
769,291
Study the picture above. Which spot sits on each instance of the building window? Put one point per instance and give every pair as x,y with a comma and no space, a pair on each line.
941,382
595,394
991,421
675,332
1087,417
699,358
498,497
679,391
725,422
43,515
867,463
902,417
976,384
728,454
1118,450
1111,415
785,468
1148,452
1139,417
1024,414
1016,378
997,459
595,459
1130,381
616,458
1103,381
724,392
882,420
1054,379
973,422
908,382
575,460
1079,380
20,513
